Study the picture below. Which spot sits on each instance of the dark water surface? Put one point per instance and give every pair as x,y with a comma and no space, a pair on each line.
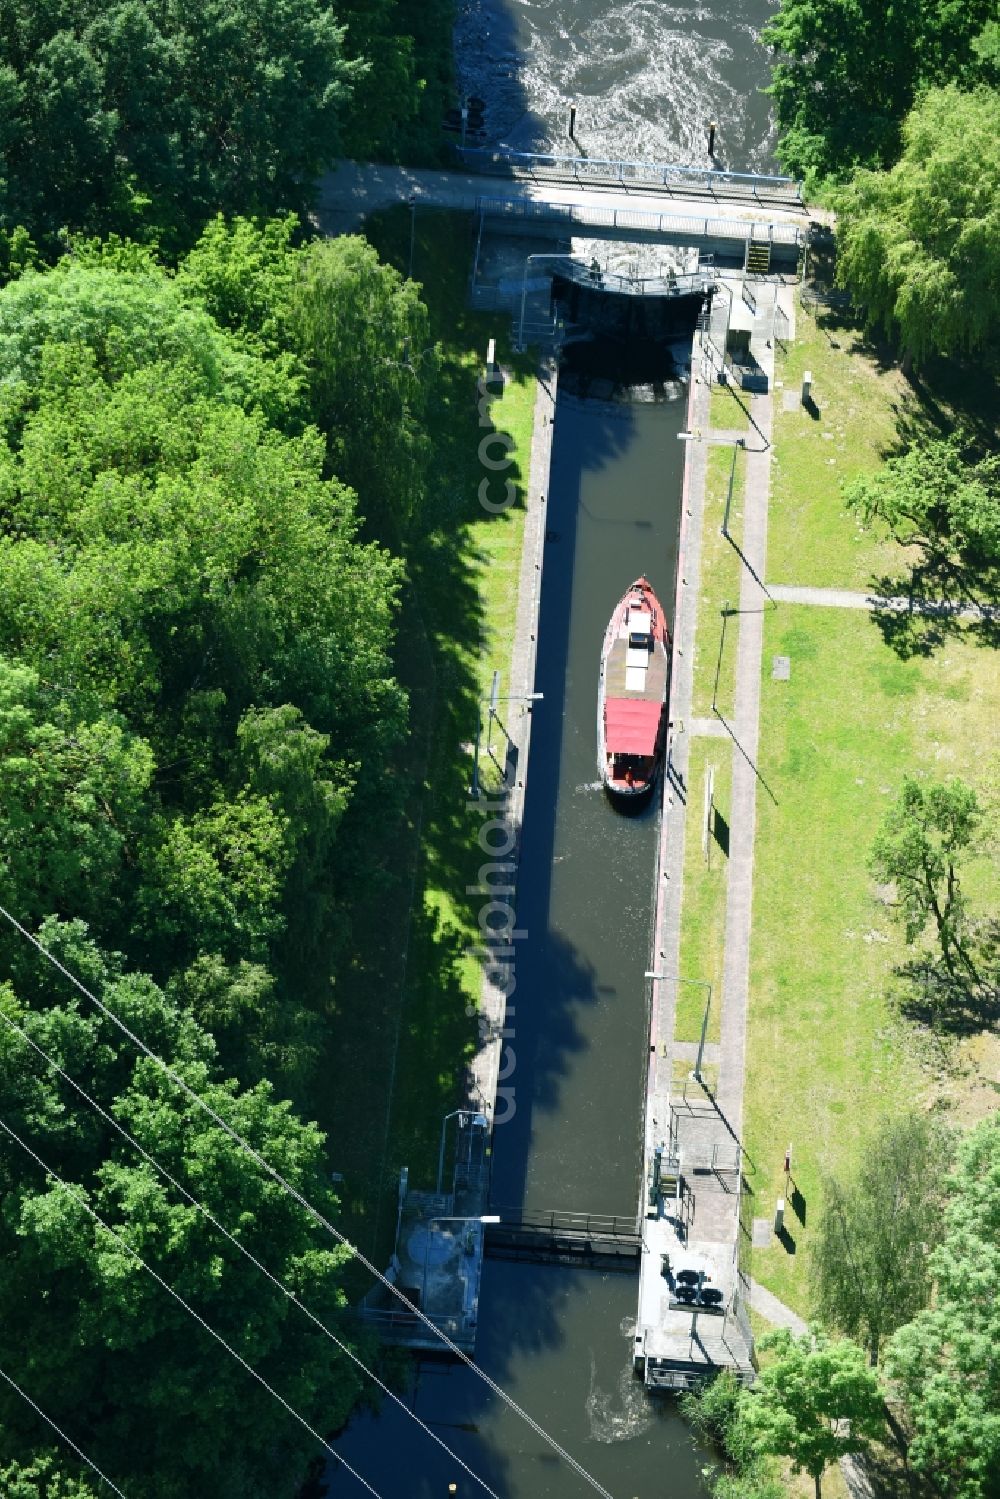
646,77
560,1341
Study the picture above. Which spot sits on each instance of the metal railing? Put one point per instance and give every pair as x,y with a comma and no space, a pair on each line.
590,1225
679,284
663,176
680,226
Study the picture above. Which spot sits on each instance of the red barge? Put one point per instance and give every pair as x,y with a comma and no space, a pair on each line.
632,693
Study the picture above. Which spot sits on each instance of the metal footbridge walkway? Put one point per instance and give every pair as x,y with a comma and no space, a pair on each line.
561,197
669,178
597,1241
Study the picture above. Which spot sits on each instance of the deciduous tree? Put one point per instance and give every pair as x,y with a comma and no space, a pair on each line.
917,850
815,1402
919,246
363,335
46,1476
946,1362
936,498
846,74
870,1264
146,118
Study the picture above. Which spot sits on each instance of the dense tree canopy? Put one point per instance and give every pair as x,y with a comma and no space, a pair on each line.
919,246
67,1283
143,117
946,1362
198,725
847,71
43,1477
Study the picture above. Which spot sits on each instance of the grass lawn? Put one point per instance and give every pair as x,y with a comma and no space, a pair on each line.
854,424
703,908
406,1025
715,635
826,1053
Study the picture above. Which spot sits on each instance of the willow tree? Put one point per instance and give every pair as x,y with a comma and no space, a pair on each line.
919,246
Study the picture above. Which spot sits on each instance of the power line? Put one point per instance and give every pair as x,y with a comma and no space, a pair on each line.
307,1206
61,1434
80,1198
207,1213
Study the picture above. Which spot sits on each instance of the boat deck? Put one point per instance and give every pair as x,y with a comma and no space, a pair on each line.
655,687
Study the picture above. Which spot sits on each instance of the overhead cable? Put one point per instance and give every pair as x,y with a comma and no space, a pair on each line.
62,1435
314,1213
247,1254
80,1198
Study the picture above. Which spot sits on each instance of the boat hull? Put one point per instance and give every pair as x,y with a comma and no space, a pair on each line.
633,688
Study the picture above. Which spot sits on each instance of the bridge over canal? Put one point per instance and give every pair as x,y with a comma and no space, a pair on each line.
556,197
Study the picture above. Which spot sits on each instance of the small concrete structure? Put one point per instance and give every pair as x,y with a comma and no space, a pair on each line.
693,1295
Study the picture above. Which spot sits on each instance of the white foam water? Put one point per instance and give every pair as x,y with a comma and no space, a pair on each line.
646,77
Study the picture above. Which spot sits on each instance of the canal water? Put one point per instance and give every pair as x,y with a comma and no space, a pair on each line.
560,1340
646,77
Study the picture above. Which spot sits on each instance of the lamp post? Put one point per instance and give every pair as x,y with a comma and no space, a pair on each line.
524,290
491,702
739,443
676,978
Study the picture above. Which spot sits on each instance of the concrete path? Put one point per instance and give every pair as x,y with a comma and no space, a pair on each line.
354,189
743,806
708,728
777,1313
483,1071
845,598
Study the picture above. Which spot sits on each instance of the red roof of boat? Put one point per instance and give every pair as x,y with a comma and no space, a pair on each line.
631,725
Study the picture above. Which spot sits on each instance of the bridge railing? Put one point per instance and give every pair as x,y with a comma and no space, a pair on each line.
601,1225
664,176
679,225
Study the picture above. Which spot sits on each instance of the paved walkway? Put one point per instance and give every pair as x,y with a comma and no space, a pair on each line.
484,1068
354,189
777,1313
708,728
746,717
846,598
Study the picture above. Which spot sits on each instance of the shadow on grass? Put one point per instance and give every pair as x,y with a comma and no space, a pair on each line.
951,1005
945,599
786,1240
398,1035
